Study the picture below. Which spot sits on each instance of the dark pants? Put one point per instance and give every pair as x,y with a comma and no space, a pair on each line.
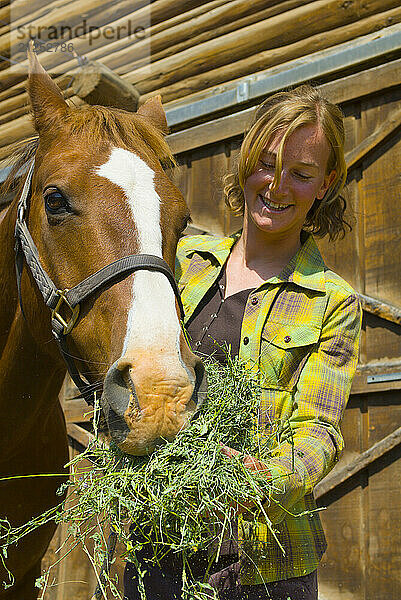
164,582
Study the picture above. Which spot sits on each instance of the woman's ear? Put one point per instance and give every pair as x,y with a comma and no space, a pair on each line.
327,183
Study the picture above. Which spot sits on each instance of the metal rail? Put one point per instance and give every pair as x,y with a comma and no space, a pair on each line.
312,66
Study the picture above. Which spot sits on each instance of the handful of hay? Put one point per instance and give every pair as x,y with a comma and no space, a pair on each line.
180,499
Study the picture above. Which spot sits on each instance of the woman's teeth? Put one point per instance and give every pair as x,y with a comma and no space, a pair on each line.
274,205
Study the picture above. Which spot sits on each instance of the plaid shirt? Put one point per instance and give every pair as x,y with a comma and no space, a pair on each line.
302,335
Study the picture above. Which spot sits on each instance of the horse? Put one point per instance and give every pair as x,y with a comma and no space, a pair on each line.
93,234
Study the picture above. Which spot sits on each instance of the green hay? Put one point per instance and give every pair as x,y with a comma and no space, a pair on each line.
181,498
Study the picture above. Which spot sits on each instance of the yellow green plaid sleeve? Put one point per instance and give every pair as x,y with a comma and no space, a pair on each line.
311,441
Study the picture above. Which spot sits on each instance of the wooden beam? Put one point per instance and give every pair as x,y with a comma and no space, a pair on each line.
342,474
364,83
97,84
173,24
391,123
54,15
227,77
23,8
313,18
76,411
79,434
225,18
115,15
209,133
384,310
20,15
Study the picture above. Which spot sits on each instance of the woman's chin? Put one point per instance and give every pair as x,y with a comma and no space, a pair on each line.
266,221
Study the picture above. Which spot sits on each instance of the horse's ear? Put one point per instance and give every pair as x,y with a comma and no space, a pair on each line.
153,109
48,104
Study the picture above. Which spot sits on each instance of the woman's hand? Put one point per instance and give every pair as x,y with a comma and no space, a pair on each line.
251,463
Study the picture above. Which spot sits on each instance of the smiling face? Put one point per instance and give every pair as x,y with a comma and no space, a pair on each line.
281,210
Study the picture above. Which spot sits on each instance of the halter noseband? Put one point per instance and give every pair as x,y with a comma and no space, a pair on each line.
72,298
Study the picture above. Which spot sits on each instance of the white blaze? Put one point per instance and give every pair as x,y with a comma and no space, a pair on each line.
152,317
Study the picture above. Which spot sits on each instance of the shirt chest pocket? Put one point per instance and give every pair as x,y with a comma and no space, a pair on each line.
283,353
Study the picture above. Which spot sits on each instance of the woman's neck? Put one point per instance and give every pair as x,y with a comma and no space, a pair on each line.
258,256
266,251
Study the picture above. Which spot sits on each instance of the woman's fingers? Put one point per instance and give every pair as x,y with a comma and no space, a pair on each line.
255,465
250,462
230,452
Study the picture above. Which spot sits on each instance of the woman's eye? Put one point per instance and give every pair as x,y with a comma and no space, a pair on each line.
268,165
302,176
55,202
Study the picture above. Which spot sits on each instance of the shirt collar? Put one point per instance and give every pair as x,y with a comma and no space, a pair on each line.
306,268
219,247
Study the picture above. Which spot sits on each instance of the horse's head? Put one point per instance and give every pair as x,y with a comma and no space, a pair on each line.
99,193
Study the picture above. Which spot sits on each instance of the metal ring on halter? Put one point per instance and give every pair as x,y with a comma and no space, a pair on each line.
67,325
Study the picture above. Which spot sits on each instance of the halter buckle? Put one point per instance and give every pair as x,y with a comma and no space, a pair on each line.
67,325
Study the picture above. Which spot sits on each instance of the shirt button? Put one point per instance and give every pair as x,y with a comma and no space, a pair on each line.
246,340
287,339
254,300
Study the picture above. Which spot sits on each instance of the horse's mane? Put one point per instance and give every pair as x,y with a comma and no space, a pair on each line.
97,124
21,156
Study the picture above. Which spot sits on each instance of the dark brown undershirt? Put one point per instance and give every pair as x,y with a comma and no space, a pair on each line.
214,330
216,322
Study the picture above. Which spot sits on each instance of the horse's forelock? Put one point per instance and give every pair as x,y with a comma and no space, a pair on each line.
97,124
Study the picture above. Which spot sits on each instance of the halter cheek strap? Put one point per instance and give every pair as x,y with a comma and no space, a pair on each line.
69,300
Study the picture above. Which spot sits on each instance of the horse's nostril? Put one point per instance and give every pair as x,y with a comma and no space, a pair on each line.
125,374
116,390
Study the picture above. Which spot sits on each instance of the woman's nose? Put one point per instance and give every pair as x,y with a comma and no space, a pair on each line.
281,189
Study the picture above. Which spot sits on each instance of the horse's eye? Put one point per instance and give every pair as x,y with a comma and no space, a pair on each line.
55,203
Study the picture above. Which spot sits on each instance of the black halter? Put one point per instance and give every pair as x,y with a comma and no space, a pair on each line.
72,298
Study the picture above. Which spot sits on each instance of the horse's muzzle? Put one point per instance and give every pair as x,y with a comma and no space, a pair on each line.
120,404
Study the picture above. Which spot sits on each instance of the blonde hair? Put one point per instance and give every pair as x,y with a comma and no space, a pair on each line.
288,111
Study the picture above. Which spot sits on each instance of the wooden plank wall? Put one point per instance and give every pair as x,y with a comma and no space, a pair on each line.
363,522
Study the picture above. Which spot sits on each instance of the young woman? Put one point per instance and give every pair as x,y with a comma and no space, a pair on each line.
267,293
